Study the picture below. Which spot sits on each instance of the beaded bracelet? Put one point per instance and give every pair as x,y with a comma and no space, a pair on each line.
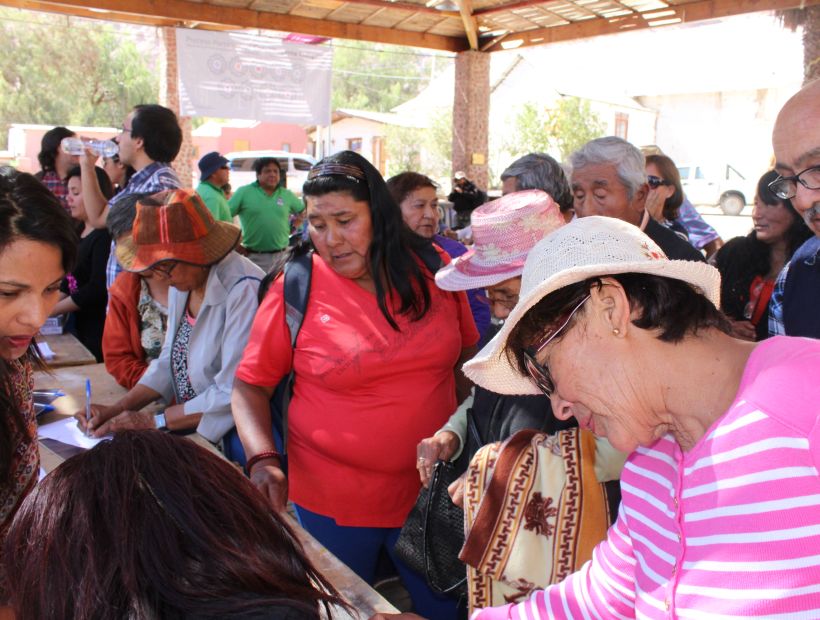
269,454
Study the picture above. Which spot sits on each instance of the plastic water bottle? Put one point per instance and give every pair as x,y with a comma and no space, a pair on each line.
77,146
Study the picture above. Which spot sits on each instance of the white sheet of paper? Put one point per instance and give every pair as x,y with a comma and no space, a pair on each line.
45,351
66,431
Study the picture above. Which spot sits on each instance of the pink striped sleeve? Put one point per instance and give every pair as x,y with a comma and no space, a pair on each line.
604,587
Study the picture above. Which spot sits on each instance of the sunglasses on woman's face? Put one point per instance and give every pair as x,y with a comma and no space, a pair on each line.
539,373
655,182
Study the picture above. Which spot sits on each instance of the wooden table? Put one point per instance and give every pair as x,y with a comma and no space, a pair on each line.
68,351
105,390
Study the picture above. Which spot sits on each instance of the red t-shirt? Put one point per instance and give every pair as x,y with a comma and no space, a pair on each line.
364,394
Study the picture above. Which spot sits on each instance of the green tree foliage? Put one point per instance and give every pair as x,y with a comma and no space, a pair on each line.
571,124
377,77
61,72
559,130
428,151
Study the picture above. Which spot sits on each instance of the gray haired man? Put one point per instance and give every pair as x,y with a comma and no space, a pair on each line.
609,178
539,171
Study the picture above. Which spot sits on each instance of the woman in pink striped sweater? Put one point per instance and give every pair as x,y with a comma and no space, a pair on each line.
720,516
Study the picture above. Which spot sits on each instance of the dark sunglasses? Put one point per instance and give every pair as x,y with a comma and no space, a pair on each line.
539,373
655,182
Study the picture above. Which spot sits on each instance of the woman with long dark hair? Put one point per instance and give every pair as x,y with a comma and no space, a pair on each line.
749,265
84,295
150,525
55,163
37,247
375,362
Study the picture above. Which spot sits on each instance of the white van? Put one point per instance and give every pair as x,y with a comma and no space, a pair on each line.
717,185
296,166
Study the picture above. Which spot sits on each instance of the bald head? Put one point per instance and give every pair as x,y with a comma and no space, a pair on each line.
796,142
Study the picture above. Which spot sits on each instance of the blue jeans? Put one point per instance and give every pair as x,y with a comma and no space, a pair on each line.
232,447
359,547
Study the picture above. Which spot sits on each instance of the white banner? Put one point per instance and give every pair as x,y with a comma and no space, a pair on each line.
240,75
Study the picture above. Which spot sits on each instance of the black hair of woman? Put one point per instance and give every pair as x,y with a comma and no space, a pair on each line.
50,144
28,210
151,525
394,248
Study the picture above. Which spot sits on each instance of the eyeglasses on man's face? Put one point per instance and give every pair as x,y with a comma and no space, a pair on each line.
539,373
786,187
655,182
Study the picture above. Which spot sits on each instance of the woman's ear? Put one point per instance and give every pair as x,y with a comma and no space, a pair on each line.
611,306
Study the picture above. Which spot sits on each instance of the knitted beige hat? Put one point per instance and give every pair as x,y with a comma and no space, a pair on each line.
584,248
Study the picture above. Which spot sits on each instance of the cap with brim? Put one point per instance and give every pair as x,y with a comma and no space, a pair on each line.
585,248
503,231
210,163
175,225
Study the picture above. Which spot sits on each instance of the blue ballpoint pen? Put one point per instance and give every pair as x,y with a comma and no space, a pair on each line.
87,405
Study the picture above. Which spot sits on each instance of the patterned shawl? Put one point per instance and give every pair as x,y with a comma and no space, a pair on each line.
534,511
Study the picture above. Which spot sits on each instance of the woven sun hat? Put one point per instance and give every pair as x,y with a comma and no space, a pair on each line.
584,248
175,225
504,231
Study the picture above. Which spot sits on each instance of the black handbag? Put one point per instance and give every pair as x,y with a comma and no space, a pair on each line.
432,536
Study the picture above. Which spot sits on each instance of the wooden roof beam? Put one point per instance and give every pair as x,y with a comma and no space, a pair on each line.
465,7
690,12
214,17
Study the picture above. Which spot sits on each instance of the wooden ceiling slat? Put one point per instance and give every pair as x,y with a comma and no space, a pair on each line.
411,22
211,17
688,12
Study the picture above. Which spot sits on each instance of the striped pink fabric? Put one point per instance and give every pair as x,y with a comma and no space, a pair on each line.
730,529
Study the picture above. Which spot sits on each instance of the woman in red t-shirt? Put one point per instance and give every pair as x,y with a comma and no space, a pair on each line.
377,366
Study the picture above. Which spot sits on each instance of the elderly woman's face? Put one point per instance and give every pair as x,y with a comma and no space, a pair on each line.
419,210
181,276
590,368
341,230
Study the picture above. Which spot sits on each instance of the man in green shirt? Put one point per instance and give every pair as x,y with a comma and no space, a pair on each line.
264,209
213,175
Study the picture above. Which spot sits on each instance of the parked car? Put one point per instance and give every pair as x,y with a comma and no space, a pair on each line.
296,166
720,185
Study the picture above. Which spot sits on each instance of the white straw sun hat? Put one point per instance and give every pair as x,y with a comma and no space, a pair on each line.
504,231
585,248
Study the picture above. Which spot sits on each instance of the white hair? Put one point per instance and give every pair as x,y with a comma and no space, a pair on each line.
629,162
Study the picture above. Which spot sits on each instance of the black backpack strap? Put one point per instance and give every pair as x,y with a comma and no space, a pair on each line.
297,291
430,257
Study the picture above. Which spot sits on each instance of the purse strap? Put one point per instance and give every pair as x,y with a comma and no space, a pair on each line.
435,484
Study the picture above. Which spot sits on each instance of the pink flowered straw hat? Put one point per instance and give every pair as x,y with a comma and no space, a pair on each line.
504,231
587,247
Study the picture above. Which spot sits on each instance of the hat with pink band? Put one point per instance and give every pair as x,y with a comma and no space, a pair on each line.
504,231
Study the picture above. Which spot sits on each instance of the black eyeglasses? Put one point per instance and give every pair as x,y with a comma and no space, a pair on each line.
786,187
505,299
124,129
655,182
539,373
165,267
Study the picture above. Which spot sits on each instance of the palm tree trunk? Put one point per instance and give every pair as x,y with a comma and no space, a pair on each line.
811,44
